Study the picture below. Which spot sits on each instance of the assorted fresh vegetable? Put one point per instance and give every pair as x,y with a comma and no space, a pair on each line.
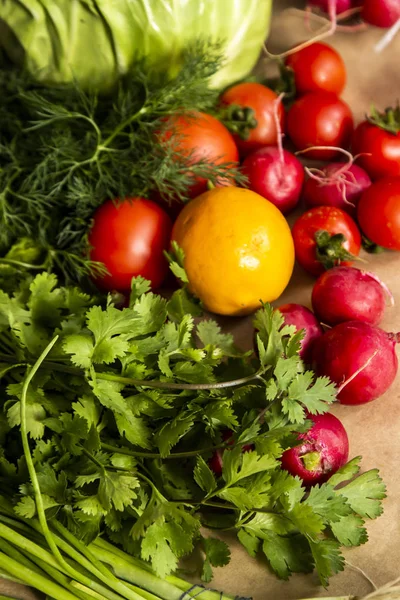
50,41
317,67
277,175
348,294
379,213
262,102
130,238
324,237
238,250
127,422
360,358
323,450
320,119
336,184
110,432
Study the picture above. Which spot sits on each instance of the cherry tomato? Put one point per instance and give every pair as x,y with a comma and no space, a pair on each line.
379,150
320,119
379,213
263,102
317,67
333,221
130,237
202,137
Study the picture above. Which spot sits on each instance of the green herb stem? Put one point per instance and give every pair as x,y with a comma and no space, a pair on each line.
34,579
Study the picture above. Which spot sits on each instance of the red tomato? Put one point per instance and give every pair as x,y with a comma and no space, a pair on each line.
379,213
379,150
262,100
324,219
130,238
320,119
317,67
202,137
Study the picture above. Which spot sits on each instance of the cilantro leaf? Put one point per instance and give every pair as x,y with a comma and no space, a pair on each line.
217,555
350,530
287,555
203,476
26,508
134,429
249,541
327,557
364,494
80,347
210,334
327,504
172,431
348,471
176,259
117,489
238,465
181,304
139,287
315,395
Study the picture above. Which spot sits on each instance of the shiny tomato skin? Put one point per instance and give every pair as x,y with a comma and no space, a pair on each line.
379,213
379,150
262,100
323,218
317,67
203,137
130,237
320,119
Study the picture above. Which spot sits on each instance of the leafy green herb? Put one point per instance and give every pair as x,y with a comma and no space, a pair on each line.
63,152
123,412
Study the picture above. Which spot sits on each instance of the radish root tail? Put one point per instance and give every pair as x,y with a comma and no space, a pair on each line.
364,366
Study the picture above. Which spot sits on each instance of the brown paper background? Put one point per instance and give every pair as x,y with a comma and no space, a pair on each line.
373,429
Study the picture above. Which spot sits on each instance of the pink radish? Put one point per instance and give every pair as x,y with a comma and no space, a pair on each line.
381,13
275,174
322,451
360,358
348,294
302,318
337,184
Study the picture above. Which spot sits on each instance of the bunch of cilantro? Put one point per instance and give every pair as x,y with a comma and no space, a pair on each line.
115,425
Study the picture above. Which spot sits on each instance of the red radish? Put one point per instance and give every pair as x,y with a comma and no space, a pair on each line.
216,461
302,318
360,358
275,174
322,451
348,294
381,13
337,184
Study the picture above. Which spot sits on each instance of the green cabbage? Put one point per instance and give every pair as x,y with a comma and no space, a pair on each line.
95,41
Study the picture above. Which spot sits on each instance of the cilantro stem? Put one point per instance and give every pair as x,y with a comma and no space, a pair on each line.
162,385
51,538
174,455
166,385
34,579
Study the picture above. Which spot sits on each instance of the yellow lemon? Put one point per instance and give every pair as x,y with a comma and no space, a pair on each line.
238,250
